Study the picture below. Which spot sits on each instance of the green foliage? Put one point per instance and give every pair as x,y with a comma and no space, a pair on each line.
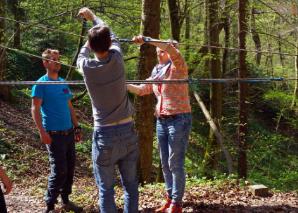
273,158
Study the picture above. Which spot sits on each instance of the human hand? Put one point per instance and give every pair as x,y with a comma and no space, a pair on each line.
78,134
138,39
45,137
86,13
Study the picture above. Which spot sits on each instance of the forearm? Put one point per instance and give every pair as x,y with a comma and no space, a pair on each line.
73,116
135,89
37,119
143,89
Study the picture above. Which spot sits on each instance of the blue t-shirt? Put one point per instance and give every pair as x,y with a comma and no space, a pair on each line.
55,111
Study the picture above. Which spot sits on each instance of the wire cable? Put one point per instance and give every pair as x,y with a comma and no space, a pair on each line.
173,81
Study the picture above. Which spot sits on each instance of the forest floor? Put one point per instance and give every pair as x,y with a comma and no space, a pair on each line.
26,162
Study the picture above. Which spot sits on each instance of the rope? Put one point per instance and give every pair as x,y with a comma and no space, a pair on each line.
176,81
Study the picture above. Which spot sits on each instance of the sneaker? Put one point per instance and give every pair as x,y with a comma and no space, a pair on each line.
165,206
70,206
175,208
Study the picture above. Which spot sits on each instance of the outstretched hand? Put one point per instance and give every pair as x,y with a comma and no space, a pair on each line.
138,39
86,13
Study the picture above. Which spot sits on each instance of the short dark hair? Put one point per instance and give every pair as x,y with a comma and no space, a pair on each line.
99,38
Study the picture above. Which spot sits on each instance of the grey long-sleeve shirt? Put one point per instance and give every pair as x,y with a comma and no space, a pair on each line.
106,83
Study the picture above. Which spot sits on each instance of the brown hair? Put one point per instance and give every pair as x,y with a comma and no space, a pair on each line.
99,38
48,53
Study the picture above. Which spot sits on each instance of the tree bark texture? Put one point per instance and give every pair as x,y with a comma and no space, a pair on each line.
255,37
243,91
174,19
150,26
212,151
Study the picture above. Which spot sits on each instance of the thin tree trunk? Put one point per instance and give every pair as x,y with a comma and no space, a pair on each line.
256,37
145,105
226,27
18,13
5,93
295,93
281,57
187,30
174,19
212,152
243,91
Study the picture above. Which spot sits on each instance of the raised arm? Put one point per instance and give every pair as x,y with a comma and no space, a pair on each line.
173,52
85,50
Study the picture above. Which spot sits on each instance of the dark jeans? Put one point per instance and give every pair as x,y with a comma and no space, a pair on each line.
172,134
62,163
116,145
2,203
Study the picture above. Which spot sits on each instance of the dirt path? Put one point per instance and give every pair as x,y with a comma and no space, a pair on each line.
197,199
27,196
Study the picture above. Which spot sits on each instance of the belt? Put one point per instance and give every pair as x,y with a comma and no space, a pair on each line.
122,121
61,132
162,117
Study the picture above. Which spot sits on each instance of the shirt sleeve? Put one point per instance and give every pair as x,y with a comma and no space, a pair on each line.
37,91
177,59
83,58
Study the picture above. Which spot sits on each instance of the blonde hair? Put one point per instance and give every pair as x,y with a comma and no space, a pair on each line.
48,53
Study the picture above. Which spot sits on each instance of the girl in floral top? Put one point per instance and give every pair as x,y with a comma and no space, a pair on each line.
173,114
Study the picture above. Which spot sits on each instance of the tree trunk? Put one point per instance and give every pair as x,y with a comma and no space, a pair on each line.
187,30
5,93
145,105
281,57
243,91
174,19
255,37
17,13
226,27
295,93
212,152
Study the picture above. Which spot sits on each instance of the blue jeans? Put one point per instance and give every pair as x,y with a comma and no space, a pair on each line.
172,134
62,163
116,145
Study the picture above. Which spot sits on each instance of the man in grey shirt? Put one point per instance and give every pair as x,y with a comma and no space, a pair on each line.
114,139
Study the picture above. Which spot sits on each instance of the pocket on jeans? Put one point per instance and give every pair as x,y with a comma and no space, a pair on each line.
104,155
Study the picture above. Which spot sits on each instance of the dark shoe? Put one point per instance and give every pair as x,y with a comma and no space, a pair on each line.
165,206
175,208
70,206
50,211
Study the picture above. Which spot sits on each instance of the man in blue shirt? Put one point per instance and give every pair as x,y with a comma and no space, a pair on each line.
58,128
